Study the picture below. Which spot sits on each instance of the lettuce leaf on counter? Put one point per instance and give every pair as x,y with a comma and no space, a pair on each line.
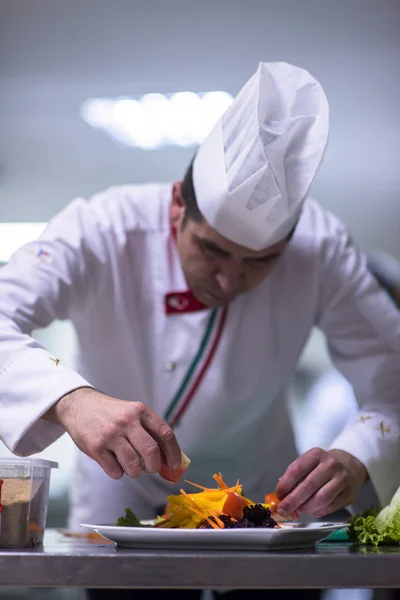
378,527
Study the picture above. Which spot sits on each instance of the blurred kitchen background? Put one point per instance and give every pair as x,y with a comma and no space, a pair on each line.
73,119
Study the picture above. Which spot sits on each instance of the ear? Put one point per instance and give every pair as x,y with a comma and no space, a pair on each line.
177,207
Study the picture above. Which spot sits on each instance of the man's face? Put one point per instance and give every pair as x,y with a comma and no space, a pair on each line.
216,269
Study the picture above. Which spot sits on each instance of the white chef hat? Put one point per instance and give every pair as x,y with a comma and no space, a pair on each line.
253,171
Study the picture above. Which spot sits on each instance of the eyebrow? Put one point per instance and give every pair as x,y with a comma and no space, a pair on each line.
267,258
215,248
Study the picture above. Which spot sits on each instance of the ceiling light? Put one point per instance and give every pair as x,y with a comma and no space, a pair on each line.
156,120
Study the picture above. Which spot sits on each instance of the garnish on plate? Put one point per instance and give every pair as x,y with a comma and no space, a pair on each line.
223,507
130,520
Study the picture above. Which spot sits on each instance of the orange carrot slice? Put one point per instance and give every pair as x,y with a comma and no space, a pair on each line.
234,505
220,481
174,475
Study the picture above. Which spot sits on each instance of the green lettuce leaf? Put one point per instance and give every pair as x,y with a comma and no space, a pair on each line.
129,520
388,520
378,527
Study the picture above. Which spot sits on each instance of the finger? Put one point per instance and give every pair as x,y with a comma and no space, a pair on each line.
297,471
147,447
323,498
339,502
109,463
305,490
164,435
127,457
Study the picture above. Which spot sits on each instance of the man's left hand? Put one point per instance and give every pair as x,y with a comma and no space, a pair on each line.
320,482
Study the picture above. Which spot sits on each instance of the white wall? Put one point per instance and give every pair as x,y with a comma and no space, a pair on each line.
54,54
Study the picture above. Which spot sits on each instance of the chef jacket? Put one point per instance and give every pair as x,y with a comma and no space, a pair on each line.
110,265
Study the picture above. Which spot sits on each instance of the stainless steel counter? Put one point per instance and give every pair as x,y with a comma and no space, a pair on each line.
70,562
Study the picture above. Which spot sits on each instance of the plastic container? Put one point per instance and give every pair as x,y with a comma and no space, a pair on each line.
24,500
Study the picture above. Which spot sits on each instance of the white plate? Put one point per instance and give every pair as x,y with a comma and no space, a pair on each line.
290,536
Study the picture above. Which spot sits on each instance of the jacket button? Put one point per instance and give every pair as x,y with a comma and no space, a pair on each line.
170,366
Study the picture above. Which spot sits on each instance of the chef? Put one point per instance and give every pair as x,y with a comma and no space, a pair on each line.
192,302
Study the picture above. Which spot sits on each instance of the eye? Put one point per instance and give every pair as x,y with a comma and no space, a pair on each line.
209,251
260,265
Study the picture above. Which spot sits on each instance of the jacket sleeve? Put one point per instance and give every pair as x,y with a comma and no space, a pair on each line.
362,326
43,281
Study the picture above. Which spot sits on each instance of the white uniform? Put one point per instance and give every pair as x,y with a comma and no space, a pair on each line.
108,266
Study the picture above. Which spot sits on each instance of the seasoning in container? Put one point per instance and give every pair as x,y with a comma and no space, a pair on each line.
24,494
19,501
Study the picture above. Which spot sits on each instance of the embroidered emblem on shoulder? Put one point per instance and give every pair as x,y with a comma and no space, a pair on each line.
363,419
382,429
40,253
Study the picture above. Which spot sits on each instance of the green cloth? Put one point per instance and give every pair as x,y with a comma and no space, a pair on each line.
341,535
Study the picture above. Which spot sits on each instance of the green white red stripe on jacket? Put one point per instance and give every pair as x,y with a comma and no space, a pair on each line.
198,367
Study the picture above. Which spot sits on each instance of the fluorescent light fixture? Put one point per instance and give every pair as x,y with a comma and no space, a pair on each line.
15,235
156,120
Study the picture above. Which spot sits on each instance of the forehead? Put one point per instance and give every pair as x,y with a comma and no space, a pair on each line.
204,232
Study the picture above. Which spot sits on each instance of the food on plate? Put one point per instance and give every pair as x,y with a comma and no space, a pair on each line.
273,501
223,507
130,520
378,527
174,475
254,515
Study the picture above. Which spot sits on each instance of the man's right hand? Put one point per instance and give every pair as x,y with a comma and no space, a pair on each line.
116,433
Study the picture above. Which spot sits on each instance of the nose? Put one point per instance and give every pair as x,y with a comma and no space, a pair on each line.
230,281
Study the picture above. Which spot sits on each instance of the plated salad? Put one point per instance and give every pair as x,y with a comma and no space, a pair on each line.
221,507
